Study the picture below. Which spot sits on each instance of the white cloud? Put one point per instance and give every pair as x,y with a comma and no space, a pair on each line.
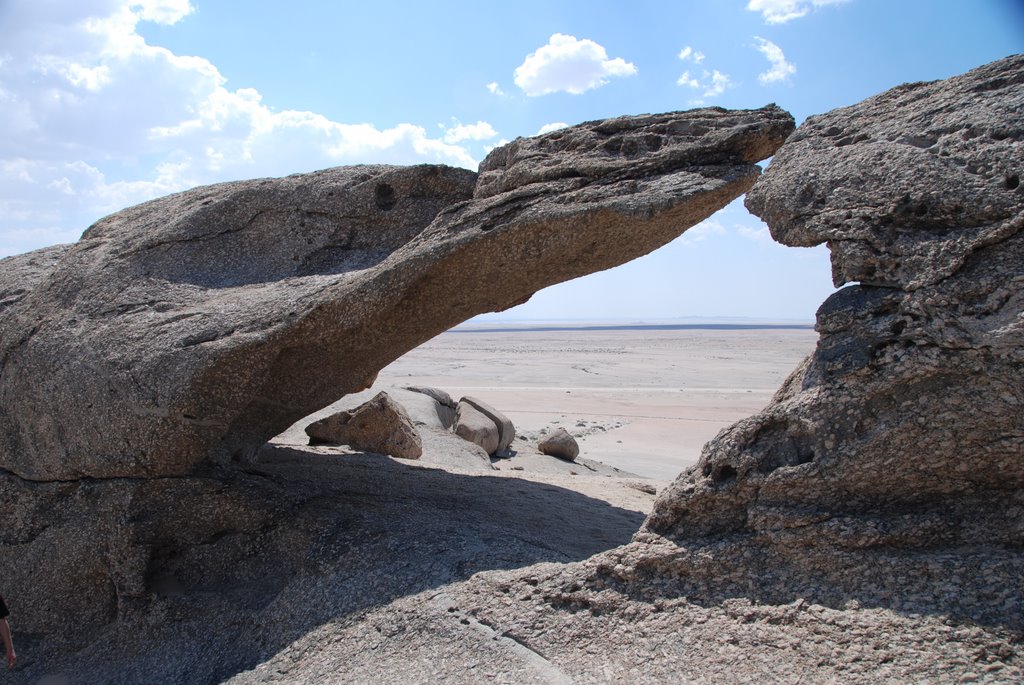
719,84
759,235
689,53
701,232
96,119
781,11
548,128
162,11
686,80
713,83
488,148
780,70
495,89
568,65
481,130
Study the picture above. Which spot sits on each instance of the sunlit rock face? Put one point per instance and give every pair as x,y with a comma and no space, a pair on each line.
894,456
190,329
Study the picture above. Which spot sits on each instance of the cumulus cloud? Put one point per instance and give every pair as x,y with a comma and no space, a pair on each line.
488,148
759,235
719,84
701,232
495,89
781,11
162,11
689,53
712,83
95,118
548,128
780,69
686,80
567,64
481,130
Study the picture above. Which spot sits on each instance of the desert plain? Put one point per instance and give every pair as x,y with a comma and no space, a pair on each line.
639,397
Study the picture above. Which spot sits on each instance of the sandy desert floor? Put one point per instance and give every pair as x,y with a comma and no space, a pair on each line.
639,398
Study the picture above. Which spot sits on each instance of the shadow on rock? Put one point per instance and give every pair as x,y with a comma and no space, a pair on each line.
201,578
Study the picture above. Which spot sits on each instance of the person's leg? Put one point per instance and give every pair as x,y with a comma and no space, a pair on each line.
5,634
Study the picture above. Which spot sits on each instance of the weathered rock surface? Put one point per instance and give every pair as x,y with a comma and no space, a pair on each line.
890,466
866,527
199,578
506,431
560,444
904,186
474,426
380,425
442,447
191,329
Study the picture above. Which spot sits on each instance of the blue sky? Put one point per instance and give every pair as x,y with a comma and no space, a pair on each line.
106,103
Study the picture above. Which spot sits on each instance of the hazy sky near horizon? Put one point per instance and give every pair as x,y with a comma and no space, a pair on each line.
107,103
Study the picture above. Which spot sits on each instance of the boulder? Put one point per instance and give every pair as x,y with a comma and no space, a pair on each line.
439,395
506,431
186,331
380,425
441,402
476,427
560,444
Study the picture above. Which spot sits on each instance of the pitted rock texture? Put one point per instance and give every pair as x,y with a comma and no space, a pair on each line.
907,184
890,466
191,329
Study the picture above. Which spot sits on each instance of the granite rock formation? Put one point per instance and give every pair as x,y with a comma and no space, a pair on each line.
890,465
188,330
380,425
866,527
143,367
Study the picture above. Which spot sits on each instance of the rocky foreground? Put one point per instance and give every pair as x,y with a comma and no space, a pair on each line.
867,526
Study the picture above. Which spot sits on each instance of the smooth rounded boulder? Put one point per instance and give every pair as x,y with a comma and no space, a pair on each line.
478,428
559,444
